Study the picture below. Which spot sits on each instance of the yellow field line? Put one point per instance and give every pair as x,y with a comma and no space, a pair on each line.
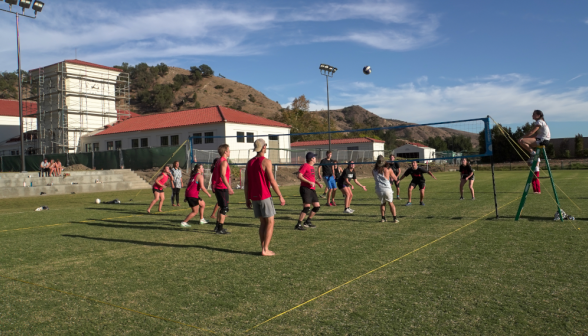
105,303
86,221
378,268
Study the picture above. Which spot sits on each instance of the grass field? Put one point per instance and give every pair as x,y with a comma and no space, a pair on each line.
446,268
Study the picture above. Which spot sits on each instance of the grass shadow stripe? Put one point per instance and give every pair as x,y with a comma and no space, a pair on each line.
380,267
106,303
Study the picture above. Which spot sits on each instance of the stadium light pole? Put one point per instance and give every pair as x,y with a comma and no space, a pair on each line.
37,7
328,71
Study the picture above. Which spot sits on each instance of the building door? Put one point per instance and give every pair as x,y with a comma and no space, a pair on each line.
274,152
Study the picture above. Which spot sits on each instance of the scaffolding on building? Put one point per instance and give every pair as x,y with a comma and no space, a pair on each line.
74,99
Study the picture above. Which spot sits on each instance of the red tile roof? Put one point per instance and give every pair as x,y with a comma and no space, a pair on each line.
334,142
124,114
207,115
417,144
78,62
9,107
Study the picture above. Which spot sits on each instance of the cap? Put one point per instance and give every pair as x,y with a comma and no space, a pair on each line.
258,145
310,155
381,161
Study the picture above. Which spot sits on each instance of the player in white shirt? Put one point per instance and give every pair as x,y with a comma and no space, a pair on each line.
538,136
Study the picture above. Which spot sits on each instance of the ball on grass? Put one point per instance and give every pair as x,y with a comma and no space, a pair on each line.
97,201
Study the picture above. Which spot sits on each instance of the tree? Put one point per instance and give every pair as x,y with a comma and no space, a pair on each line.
160,70
579,145
179,81
459,143
501,147
195,73
163,96
563,147
206,70
437,142
301,103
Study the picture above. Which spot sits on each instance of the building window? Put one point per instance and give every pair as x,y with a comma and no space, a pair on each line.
96,146
144,142
134,143
88,147
110,145
197,140
175,140
164,141
249,137
240,136
118,145
208,137
273,137
353,148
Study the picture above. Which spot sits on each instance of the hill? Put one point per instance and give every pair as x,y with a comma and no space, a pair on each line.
355,117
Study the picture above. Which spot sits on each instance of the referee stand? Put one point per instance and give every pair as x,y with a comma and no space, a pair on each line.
540,151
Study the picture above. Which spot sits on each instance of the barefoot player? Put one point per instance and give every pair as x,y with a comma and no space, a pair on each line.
418,179
308,192
258,178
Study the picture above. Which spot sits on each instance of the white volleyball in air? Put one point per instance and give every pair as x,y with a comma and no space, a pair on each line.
97,201
367,70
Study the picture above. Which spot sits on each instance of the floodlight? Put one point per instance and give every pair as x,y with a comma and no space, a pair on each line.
333,69
323,66
12,2
38,6
25,3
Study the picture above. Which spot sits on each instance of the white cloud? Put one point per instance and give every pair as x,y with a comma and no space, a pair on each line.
507,101
580,75
111,35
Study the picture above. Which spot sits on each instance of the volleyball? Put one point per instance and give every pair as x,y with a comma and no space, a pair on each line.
97,201
367,70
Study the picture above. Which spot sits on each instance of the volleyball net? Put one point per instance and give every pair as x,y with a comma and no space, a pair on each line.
432,143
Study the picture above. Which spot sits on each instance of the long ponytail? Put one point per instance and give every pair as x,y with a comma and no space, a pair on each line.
539,113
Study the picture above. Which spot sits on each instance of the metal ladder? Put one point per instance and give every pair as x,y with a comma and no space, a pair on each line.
540,151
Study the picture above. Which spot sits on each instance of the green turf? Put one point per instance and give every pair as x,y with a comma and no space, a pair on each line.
489,277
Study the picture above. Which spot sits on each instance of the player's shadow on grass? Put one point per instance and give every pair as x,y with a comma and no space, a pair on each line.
530,218
125,210
147,243
141,226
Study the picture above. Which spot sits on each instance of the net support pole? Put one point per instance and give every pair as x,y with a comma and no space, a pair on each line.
494,186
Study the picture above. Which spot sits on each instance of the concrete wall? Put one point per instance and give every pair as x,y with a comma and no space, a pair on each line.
557,144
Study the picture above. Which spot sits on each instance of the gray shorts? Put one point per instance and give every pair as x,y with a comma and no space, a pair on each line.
264,208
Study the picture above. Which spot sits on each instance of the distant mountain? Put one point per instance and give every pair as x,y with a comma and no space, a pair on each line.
355,116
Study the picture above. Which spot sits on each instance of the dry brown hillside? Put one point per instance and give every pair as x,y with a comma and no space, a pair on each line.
353,116
209,93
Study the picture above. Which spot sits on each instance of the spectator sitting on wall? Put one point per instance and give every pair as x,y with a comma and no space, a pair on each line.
44,168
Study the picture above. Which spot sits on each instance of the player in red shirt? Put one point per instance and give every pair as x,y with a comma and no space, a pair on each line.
158,186
222,187
258,178
307,192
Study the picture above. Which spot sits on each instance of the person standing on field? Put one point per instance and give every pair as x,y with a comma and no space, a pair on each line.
467,175
195,185
158,186
397,171
383,174
418,179
308,193
327,170
221,185
536,183
258,178
176,183
344,184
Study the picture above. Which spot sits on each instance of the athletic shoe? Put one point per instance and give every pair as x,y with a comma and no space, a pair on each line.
203,221
473,198
333,204
323,195
398,197
396,221
222,231
461,198
348,210
309,225
383,220
352,211
185,225
408,204
422,203
216,228
299,227
328,204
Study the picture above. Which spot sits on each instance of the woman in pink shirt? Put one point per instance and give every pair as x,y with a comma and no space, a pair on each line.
158,187
193,195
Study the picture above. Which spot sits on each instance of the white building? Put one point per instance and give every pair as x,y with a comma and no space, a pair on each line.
10,124
357,149
75,98
211,127
415,150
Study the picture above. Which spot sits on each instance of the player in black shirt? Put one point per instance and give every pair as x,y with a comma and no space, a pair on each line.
467,174
326,174
397,171
418,178
344,184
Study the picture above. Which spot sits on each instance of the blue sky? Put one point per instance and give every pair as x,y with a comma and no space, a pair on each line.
431,60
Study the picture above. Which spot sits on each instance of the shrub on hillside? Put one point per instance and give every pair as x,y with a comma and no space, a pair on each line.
206,70
195,73
219,87
251,98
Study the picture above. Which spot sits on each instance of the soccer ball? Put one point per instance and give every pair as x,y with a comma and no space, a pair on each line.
367,70
97,201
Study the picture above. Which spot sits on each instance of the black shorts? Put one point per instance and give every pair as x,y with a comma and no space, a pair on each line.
193,201
341,186
421,184
308,195
463,177
156,190
541,142
222,197
396,183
